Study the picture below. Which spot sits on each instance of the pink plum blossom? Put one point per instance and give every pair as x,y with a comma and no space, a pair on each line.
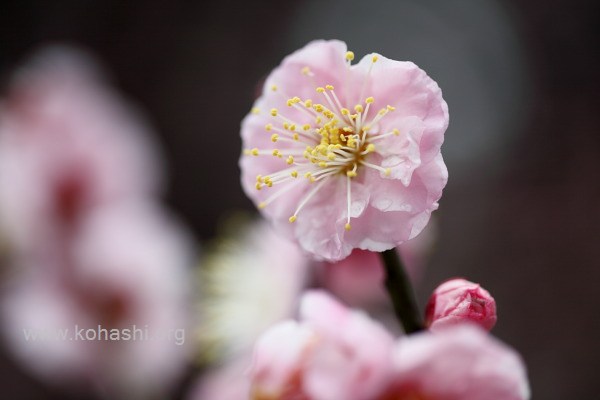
458,301
459,363
335,353
89,248
127,268
67,144
332,353
341,156
358,279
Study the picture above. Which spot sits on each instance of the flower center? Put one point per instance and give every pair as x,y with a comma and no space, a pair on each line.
335,143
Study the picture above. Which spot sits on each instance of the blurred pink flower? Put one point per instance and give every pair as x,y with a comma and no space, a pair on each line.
458,301
89,248
460,363
357,280
361,170
67,144
332,353
127,268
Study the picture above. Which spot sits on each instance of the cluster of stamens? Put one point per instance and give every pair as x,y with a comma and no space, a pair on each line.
336,143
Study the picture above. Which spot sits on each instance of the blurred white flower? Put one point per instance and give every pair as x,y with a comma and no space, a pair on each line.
251,281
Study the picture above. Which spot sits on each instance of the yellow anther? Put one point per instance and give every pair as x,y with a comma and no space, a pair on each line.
383,111
308,175
292,219
312,179
329,87
292,127
290,160
328,114
247,152
294,174
375,58
262,205
365,128
296,99
388,171
390,108
275,152
274,112
320,90
369,100
269,184
348,129
258,186
351,174
345,111
370,148
274,137
358,108
259,178
254,151
318,120
349,55
318,107
290,102
347,227
305,71
295,136
308,103
268,127
342,138
396,132
286,125
255,110
306,127
274,88
331,156
354,116
323,164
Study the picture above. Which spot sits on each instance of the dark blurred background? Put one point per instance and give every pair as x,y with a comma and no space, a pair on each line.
521,212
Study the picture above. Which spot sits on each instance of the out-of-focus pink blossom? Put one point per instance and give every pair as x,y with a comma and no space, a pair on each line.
67,144
127,268
332,353
458,301
356,164
89,248
460,363
357,280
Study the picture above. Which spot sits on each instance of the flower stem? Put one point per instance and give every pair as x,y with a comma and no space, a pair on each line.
401,292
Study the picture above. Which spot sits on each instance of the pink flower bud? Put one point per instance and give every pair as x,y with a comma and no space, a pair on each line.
457,301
